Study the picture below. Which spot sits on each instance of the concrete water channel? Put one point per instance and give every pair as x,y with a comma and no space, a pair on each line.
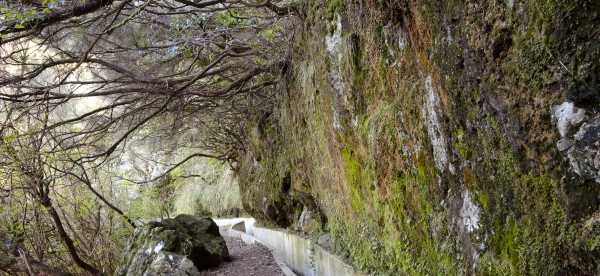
296,255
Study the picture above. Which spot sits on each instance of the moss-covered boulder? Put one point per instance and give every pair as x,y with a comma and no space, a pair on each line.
180,246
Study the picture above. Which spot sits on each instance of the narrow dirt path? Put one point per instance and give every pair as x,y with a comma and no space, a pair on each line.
246,259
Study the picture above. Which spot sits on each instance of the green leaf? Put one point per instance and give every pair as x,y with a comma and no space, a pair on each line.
30,13
19,26
269,35
9,15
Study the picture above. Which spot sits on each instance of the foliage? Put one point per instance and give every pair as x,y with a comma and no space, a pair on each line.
215,194
105,106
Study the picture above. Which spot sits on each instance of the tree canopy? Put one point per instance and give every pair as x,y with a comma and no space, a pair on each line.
80,80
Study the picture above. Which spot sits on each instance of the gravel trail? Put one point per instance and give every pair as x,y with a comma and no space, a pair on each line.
246,259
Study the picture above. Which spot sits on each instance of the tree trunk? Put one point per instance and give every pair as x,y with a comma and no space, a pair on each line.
67,239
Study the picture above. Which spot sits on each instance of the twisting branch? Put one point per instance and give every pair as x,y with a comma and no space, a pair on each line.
81,8
85,82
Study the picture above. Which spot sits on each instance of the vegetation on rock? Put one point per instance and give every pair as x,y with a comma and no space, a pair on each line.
106,108
421,137
180,246
429,125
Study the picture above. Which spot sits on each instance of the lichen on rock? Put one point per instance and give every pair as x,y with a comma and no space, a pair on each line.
180,246
437,136
469,213
170,264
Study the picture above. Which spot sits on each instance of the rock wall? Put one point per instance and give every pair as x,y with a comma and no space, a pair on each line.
438,137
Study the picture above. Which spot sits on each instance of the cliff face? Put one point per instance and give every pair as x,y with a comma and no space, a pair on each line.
436,137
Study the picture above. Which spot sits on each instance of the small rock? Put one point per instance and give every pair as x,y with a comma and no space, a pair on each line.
171,264
564,144
240,226
309,221
325,241
567,116
305,219
589,132
584,155
580,139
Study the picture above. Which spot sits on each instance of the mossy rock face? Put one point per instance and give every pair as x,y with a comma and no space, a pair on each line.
440,137
185,244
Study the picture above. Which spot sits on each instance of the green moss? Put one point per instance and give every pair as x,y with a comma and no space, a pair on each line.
403,243
526,219
352,170
545,232
458,144
483,200
333,7
506,242
378,174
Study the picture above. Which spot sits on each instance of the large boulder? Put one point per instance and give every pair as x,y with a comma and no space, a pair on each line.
184,245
